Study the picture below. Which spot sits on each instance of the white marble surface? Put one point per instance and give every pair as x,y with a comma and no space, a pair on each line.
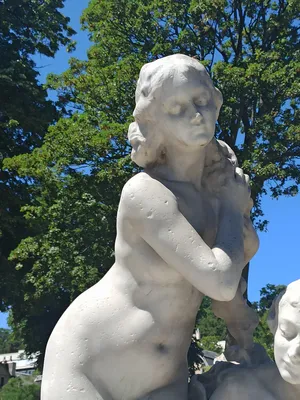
183,232
287,335
267,381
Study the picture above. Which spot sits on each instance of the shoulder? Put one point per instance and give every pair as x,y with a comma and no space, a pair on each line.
144,186
142,180
143,192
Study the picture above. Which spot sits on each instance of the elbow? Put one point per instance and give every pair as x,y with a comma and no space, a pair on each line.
221,293
225,285
227,288
228,291
228,295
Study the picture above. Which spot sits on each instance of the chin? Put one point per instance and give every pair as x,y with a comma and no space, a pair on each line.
202,139
290,378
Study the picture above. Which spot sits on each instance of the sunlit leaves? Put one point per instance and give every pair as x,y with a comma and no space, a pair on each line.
251,49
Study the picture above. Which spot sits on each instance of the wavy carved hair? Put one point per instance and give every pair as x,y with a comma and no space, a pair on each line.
147,143
290,295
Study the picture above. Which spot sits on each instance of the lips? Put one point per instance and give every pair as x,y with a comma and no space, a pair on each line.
292,365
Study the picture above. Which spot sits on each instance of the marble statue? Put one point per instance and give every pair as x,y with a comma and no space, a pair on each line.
183,231
268,381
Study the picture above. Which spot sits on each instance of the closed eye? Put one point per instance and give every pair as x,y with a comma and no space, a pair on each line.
288,333
201,101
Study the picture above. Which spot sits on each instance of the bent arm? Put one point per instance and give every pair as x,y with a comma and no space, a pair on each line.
152,210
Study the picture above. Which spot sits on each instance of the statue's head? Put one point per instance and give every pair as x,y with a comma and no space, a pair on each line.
284,322
175,101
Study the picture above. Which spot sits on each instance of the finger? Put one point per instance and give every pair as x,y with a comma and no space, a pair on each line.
239,172
239,175
249,205
247,179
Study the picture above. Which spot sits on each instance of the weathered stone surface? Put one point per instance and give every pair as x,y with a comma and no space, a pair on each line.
268,381
184,231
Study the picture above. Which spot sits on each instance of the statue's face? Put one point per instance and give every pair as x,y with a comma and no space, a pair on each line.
188,111
287,339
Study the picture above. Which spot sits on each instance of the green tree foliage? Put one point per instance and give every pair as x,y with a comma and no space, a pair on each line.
251,49
212,329
267,294
27,27
17,389
73,215
9,343
262,335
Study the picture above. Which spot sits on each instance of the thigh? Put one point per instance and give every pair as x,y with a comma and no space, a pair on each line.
75,386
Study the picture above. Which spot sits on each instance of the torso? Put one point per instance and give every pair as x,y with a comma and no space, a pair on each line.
152,273
142,313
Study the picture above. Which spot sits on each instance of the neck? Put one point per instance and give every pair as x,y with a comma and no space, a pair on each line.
296,389
285,388
182,164
290,391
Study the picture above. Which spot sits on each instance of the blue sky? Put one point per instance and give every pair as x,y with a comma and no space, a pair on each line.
277,260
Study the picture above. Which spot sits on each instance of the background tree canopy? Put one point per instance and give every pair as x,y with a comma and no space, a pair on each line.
26,28
73,181
20,389
9,343
262,334
213,329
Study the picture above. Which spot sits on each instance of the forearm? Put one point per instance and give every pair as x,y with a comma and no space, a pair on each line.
229,242
229,250
216,271
213,271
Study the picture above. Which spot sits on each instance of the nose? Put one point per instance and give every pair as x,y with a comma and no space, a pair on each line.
197,119
294,351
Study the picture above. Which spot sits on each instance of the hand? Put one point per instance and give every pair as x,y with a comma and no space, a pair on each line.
236,191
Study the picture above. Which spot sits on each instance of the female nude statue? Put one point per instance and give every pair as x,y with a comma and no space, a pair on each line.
183,232
269,381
